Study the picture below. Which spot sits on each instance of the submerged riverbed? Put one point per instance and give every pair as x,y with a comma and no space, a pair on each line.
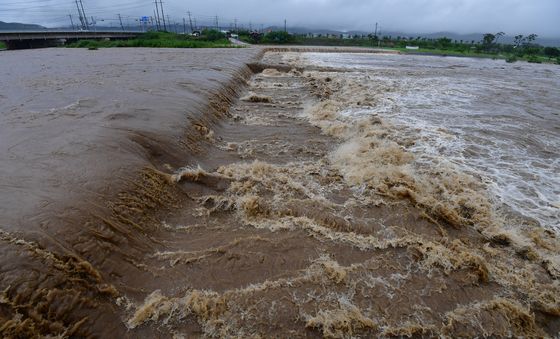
229,193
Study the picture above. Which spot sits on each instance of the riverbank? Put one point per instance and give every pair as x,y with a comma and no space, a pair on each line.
209,39
525,51
507,57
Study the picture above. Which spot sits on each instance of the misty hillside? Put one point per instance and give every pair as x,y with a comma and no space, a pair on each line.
11,26
454,36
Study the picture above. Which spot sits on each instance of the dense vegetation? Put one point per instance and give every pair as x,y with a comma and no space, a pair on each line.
523,47
208,39
2,45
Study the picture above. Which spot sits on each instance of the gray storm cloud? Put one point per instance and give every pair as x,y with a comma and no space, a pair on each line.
414,16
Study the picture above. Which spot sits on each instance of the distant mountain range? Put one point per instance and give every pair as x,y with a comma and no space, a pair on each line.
16,26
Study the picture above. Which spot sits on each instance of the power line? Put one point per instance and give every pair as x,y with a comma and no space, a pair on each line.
162,15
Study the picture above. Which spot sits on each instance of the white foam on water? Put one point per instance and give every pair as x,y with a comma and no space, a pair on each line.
496,121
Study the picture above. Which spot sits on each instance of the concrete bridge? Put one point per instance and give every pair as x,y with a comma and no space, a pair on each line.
40,39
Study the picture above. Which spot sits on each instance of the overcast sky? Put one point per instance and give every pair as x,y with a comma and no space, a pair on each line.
411,16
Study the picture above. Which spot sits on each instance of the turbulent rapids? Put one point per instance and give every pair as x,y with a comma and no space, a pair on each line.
268,194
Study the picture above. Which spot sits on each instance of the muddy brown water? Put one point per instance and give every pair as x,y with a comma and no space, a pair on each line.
182,193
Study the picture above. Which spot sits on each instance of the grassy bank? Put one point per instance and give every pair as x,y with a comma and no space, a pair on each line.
2,45
209,39
524,48
510,57
443,52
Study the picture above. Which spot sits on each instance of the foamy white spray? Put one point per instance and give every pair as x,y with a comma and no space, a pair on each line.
497,121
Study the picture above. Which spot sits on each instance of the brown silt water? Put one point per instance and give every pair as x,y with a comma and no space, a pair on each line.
276,193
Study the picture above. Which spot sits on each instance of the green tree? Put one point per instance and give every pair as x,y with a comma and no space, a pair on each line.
529,47
488,39
518,40
444,42
530,38
212,35
551,52
373,39
256,37
278,37
498,36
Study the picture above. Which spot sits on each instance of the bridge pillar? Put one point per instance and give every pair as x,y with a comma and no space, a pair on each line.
28,44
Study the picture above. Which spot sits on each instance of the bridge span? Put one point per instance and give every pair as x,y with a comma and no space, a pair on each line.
40,39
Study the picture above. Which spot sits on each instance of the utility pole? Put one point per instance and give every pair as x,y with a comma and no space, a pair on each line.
217,23
80,16
162,15
190,21
235,21
250,26
184,26
285,26
170,25
374,36
158,23
120,20
84,14
156,17
71,21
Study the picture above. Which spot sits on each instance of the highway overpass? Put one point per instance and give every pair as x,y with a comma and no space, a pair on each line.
39,39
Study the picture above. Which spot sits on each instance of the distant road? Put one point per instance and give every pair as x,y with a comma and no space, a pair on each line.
238,42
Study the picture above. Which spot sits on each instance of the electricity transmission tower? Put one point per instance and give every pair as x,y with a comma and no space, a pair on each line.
120,20
190,21
71,21
162,15
158,22
82,15
156,18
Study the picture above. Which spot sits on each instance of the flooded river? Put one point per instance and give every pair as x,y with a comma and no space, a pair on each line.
495,120
252,193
